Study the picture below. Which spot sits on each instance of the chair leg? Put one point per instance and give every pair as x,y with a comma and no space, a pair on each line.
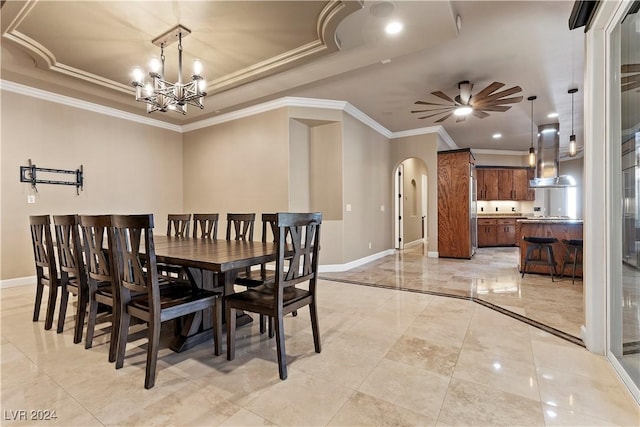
217,327
51,307
527,256
123,332
62,314
152,355
262,323
575,261
36,308
315,327
551,261
80,315
282,356
231,332
115,332
91,323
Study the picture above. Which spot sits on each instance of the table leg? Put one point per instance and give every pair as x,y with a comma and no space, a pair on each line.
197,328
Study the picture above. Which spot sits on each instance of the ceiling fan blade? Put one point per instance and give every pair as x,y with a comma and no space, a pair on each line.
484,102
444,118
630,86
489,89
442,110
436,114
442,95
631,68
499,95
480,114
499,108
630,79
430,103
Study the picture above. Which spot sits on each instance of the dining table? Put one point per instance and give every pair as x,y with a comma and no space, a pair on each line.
213,265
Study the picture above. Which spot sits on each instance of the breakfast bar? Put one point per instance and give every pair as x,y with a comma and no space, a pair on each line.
560,228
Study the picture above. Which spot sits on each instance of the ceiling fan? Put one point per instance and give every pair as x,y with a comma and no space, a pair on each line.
488,99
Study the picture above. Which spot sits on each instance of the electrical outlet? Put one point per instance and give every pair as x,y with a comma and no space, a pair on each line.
31,198
381,208
348,207
369,245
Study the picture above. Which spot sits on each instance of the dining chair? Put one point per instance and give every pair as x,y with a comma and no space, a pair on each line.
73,278
178,225
254,278
141,295
101,282
208,224
46,269
240,226
298,245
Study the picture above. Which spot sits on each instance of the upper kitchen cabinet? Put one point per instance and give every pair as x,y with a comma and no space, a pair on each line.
504,184
456,204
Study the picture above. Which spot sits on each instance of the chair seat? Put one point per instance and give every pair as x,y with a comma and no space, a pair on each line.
255,278
174,295
573,242
263,296
540,240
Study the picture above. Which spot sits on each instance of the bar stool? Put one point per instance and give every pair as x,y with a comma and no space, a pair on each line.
539,243
574,251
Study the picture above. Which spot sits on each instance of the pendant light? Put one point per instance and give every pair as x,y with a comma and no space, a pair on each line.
572,138
532,151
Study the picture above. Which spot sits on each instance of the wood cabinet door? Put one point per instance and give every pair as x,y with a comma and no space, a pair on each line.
531,193
520,184
480,190
491,184
486,232
505,184
506,232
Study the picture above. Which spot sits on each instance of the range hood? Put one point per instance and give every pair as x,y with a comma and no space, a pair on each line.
548,160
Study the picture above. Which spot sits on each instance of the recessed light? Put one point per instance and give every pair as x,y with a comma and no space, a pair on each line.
497,135
393,27
552,115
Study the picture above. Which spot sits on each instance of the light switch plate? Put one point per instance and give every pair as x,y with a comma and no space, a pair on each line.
31,198
348,207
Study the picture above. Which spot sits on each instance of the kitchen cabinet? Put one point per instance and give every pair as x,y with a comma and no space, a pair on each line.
505,232
486,232
504,184
456,224
487,184
531,192
496,232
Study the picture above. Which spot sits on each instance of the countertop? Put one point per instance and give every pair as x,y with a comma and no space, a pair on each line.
550,220
501,215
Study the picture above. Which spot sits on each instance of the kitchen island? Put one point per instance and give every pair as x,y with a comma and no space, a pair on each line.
560,228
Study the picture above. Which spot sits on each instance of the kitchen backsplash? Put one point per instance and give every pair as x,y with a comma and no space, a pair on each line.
505,206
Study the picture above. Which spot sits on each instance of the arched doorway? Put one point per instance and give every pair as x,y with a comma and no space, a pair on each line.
410,180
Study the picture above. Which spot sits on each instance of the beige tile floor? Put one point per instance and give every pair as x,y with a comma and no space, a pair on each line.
390,357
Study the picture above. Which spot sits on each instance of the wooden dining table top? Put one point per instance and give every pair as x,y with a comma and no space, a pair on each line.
214,255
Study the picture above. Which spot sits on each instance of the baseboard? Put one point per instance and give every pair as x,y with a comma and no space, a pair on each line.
337,268
433,254
18,281
414,243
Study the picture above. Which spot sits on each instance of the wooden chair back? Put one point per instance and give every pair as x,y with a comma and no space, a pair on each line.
208,224
97,247
46,269
242,226
298,238
178,225
72,271
135,257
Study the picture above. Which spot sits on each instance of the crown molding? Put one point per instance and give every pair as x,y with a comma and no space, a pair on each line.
428,130
500,152
84,105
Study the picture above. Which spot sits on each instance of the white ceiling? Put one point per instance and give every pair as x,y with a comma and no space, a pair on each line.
263,50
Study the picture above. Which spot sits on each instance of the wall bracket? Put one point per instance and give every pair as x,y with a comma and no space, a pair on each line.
29,174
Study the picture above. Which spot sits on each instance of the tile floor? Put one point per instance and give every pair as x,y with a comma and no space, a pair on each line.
390,357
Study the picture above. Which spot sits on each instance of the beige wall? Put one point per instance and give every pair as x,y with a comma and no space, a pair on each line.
367,188
238,166
129,168
424,147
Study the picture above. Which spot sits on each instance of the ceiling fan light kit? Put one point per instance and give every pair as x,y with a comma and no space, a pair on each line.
467,103
161,95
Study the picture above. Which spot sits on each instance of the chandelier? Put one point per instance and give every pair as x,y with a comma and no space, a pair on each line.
161,95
